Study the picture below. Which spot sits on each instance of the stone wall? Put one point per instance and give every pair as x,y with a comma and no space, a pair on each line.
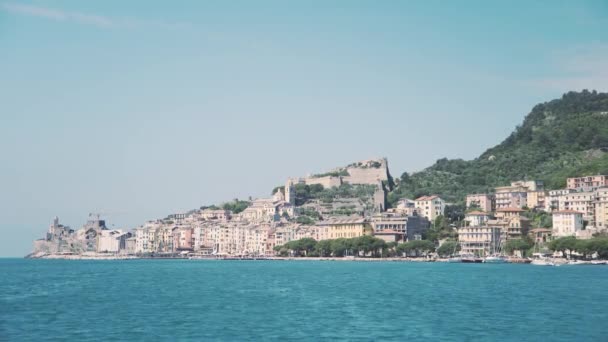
327,181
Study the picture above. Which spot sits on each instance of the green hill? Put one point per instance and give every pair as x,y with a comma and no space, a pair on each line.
558,139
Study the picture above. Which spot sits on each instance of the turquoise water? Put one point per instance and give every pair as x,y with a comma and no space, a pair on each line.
175,300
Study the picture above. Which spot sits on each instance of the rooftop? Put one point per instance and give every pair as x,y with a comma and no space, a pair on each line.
427,198
388,232
476,213
567,212
503,210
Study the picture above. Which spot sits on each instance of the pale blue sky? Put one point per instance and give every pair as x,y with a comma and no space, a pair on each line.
143,108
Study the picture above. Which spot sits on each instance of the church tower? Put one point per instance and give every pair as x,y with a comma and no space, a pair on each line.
290,195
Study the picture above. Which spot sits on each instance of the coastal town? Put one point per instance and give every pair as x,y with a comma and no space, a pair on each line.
345,212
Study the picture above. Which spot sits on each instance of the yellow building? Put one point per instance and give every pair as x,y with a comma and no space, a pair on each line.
505,213
536,199
344,228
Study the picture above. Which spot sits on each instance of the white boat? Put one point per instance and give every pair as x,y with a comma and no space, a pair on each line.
542,262
579,262
455,259
495,259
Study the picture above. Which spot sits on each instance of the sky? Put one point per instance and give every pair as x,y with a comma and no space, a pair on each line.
140,109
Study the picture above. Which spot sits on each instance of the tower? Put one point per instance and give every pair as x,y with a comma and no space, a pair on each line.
290,195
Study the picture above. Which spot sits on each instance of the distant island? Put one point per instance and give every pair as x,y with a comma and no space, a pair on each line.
542,192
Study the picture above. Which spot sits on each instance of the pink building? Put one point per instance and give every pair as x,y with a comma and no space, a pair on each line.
182,239
485,202
587,182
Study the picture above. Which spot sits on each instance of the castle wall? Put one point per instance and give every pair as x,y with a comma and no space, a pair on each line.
365,175
327,181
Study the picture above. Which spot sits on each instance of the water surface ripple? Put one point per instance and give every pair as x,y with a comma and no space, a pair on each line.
181,300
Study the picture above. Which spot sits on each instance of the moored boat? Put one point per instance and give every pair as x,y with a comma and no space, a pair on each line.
455,259
542,262
470,258
495,259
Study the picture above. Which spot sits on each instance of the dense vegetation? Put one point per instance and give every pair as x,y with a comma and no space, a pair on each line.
340,173
236,206
366,245
304,193
586,248
440,229
562,138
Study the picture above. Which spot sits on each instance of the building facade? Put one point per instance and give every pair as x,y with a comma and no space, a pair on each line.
567,223
587,183
485,202
430,207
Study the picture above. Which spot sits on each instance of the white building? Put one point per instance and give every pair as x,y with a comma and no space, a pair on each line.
582,202
476,218
567,223
552,199
112,241
430,207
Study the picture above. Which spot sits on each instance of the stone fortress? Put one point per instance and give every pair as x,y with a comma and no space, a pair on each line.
366,172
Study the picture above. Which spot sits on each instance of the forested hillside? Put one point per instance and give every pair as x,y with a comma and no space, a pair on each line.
557,139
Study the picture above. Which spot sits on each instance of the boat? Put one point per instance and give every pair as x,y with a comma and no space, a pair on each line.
470,258
598,262
495,259
455,257
579,262
542,262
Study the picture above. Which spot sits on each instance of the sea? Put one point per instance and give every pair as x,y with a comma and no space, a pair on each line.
221,300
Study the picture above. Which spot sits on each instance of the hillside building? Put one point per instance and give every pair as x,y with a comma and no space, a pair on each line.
430,207
484,202
587,183
567,223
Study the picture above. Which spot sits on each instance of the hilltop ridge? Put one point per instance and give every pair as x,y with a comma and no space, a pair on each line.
561,138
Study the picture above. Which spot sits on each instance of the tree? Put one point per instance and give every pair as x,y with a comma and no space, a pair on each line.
517,245
307,245
378,247
583,247
210,207
323,248
448,248
455,212
551,143
391,248
563,245
364,244
236,206
340,246
440,229
417,247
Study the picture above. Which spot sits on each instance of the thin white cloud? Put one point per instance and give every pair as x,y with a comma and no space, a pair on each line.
83,18
59,15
